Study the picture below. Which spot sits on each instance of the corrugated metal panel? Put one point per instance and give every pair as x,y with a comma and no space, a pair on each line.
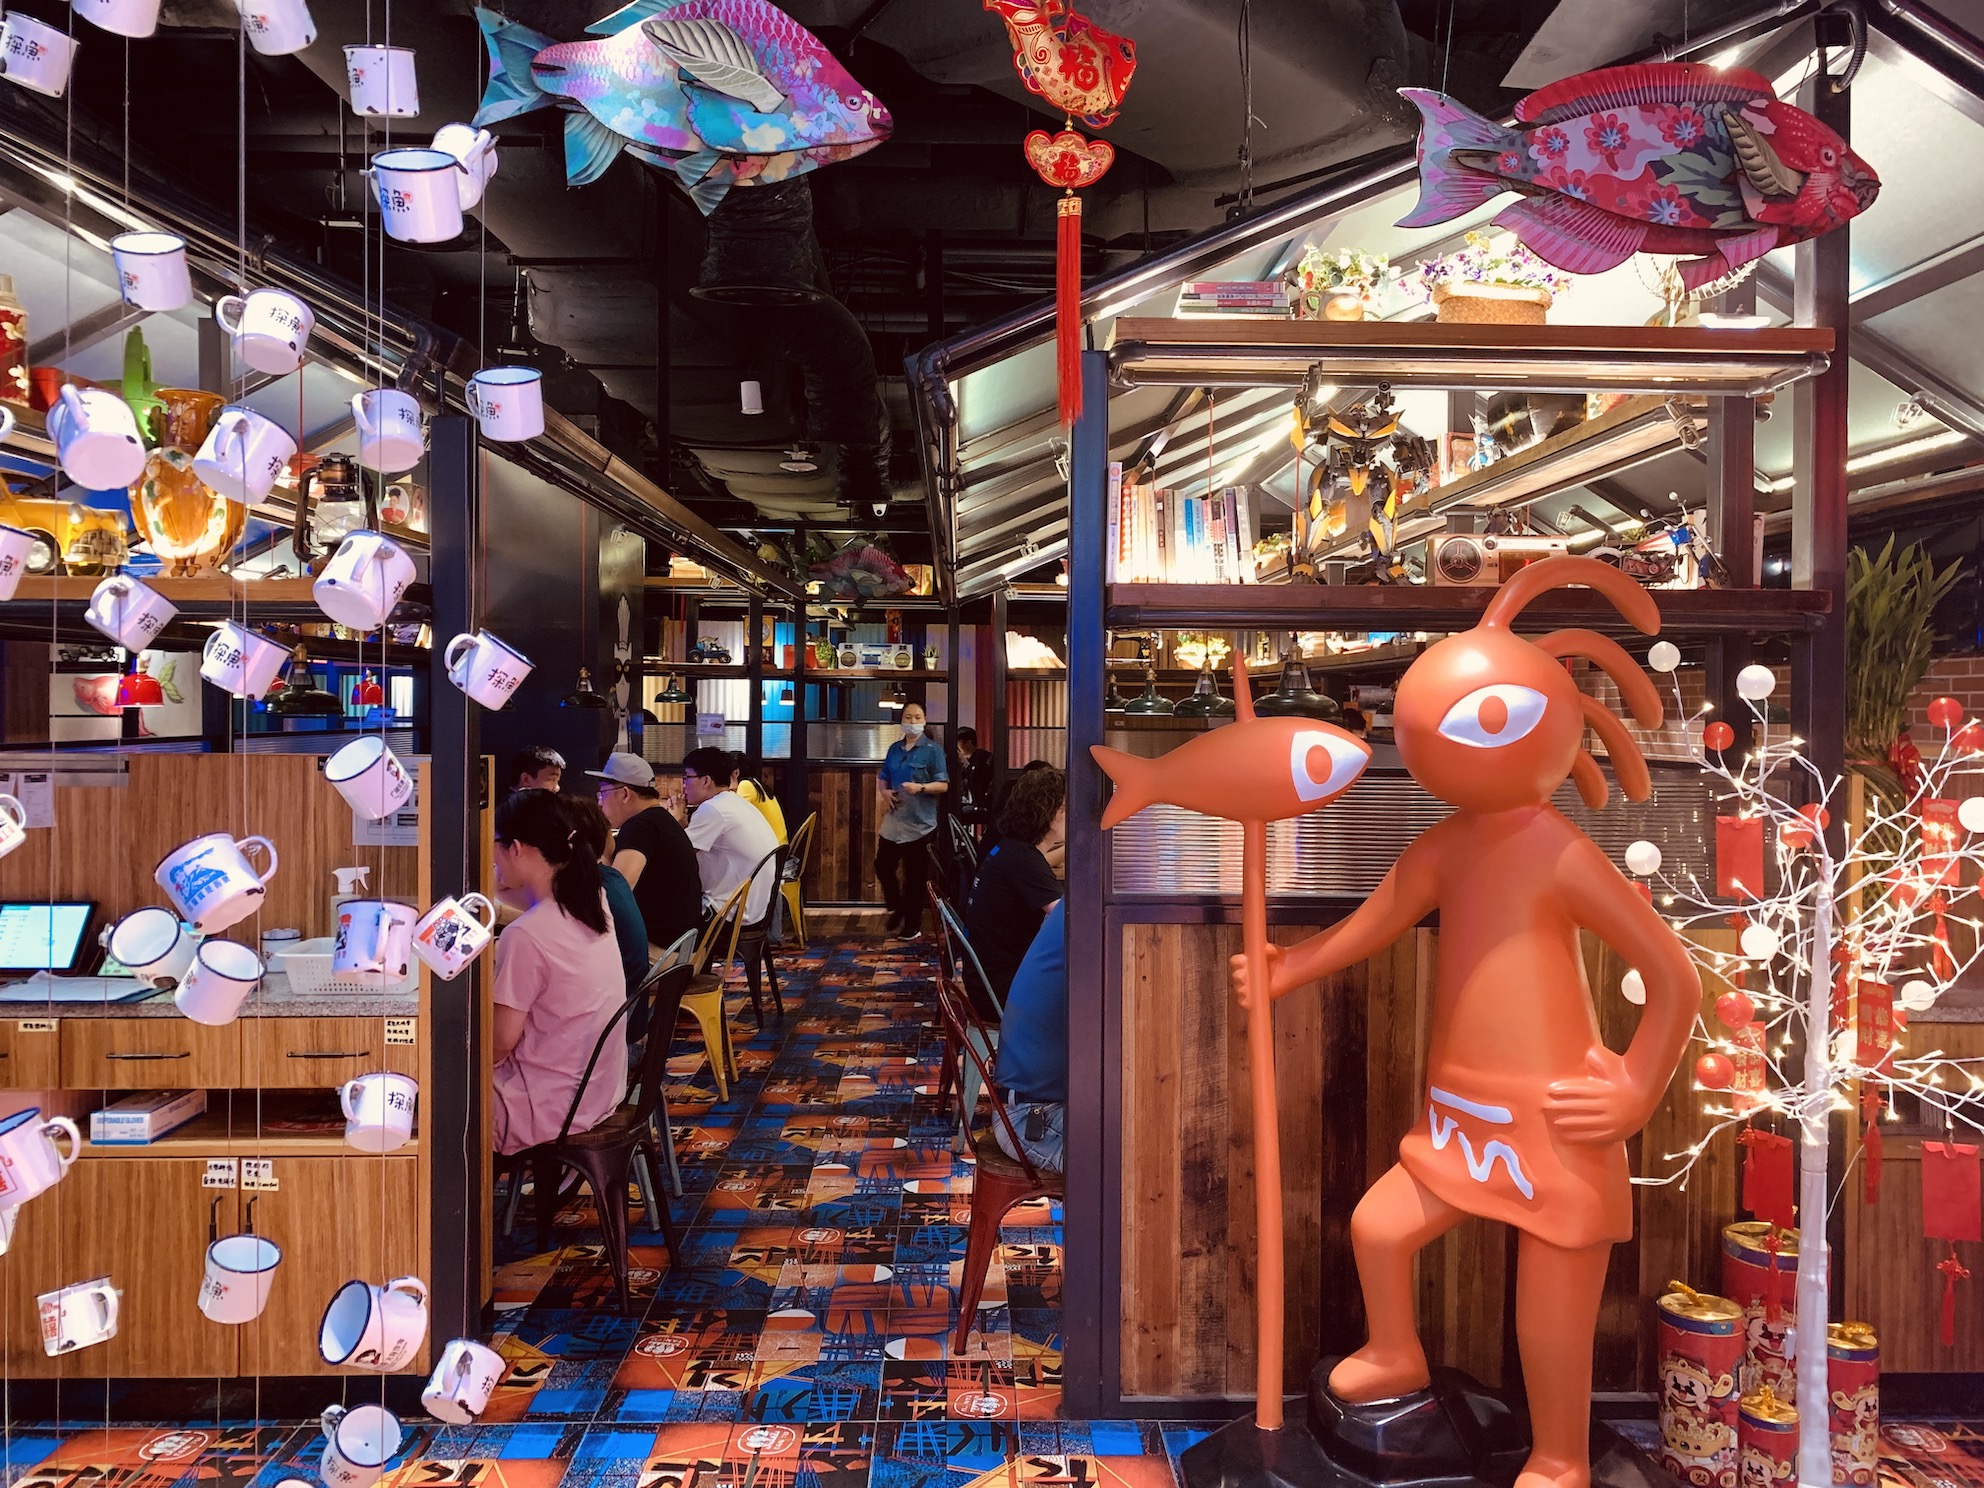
1346,848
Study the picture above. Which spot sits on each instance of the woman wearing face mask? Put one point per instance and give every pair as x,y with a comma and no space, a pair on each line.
911,779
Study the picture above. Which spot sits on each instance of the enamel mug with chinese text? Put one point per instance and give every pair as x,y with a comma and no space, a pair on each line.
453,933
30,1162
459,1390
36,55
374,1327
240,1271
135,18
153,946
17,548
240,660
270,328
508,402
391,437
373,944
129,611
225,973
363,580
74,1317
243,454
382,81
378,1111
151,270
485,668
358,1443
370,776
475,150
97,436
211,882
420,200
277,28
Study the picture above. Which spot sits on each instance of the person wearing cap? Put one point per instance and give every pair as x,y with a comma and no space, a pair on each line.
731,836
650,850
536,767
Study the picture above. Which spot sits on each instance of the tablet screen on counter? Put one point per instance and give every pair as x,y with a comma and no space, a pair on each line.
44,937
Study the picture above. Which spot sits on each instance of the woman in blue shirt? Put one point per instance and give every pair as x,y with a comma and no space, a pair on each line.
911,779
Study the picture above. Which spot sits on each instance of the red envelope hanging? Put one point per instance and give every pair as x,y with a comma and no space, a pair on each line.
1739,857
1950,1207
1746,1089
1875,1026
1940,838
1767,1178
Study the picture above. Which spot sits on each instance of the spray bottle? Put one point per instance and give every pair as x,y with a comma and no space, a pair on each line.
351,885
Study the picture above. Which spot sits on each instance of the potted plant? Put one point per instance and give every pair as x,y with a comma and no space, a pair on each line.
1481,284
1891,598
1337,283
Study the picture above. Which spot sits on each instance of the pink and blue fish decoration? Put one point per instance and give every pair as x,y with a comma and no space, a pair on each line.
720,93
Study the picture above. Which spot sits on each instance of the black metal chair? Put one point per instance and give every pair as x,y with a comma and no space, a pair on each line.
754,942
603,1157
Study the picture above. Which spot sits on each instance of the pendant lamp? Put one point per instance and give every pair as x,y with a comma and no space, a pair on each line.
1205,701
675,693
897,700
301,697
584,695
1113,703
1295,698
1149,703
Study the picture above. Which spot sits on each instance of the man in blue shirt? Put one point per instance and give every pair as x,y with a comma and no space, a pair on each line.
911,779
1033,1048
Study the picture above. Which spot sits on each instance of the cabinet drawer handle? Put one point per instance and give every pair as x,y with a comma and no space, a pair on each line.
182,1054
329,1054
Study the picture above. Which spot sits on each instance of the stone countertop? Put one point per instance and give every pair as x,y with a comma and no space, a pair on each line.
272,1000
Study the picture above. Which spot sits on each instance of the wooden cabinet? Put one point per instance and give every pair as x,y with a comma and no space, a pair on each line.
30,1054
148,1054
318,1053
337,1219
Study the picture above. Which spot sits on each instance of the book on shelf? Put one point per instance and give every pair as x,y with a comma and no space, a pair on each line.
1164,536
1214,289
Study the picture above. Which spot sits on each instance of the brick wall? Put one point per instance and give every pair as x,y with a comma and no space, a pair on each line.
1960,677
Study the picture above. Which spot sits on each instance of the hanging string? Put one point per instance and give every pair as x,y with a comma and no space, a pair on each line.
1447,53
1245,42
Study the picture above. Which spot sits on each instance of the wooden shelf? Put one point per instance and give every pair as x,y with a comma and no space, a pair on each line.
1427,354
209,1136
1441,610
200,589
874,674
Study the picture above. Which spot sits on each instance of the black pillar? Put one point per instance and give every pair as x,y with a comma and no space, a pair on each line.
454,789
1732,480
1000,745
754,675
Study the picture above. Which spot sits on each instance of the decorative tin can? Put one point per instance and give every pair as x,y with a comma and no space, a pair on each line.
1750,1265
1853,1394
1766,1441
1700,1348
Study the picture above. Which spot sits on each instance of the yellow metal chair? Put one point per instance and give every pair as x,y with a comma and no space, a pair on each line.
704,999
792,889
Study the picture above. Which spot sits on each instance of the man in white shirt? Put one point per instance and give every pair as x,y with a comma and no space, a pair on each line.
731,836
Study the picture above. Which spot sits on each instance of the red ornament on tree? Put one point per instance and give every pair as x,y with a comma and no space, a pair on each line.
1084,71
1735,1010
1969,739
1945,712
1718,735
1714,1072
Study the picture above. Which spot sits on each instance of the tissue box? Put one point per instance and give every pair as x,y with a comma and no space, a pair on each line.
145,1117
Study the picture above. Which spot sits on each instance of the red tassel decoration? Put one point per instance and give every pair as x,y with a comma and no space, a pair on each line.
1068,305
1953,1271
1870,1146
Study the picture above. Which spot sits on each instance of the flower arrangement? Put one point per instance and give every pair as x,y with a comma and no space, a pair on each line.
1481,282
1337,283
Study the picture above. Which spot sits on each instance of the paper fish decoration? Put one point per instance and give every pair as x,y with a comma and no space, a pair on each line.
1661,157
720,93
1067,59
1257,769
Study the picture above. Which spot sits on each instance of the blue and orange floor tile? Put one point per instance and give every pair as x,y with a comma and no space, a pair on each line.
801,1339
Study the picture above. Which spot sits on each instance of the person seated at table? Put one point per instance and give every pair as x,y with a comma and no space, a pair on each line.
629,929
650,850
749,785
1032,1064
1017,883
558,977
536,767
731,836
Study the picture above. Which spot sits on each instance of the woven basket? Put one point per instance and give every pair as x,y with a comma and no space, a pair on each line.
1491,304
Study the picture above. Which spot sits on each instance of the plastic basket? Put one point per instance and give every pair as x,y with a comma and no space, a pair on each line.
308,968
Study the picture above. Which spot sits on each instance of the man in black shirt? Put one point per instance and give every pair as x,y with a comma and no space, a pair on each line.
536,767
1017,882
651,850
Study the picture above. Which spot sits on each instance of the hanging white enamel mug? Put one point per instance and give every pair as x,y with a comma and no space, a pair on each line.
382,81
374,1327
13,825
243,454
475,150
98,438
211,882
240,1271
453,933
363,580
270,328
277,28
129,611
74,1317
17,548
241,661
151,270
390,435
508,402
358,1443
152,945
136,18
36,55
485,668
30,1162
225,974
373,944
378,1111
458,1391
370,777
419,198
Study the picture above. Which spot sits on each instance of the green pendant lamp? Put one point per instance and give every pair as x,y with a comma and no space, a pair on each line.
584,695
1150,704
1114,701
1295,697
1205,701
301,697
675,693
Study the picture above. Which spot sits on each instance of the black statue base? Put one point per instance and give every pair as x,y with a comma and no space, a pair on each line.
1451,1435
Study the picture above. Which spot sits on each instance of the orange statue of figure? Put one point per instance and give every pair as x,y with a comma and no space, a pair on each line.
1527,1112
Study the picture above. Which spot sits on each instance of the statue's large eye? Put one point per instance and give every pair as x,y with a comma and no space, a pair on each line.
1321,764
1493,716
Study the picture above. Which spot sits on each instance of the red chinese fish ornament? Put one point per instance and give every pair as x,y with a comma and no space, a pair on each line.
1083,71
1658,157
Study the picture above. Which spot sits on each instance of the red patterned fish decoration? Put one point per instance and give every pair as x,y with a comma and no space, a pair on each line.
1659,157
1084,71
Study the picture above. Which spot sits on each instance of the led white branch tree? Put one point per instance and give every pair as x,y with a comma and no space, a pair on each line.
1875,900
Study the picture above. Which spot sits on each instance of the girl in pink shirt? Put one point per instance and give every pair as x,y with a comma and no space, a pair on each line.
558,977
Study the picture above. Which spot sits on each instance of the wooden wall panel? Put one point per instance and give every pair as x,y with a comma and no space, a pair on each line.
842,870
1350,1061
107,839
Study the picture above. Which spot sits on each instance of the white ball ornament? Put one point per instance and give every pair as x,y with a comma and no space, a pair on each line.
1759,942
1663,656
1756,683
1643,858
1971,813
1917,996
1633,988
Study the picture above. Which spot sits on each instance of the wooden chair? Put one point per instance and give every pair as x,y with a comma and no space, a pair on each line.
704,999
792,874
952,951
1000,1180
604,1156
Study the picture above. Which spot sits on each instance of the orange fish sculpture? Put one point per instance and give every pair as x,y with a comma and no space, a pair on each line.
1253,771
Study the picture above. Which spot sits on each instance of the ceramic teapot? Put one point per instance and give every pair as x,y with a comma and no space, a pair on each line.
189,526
